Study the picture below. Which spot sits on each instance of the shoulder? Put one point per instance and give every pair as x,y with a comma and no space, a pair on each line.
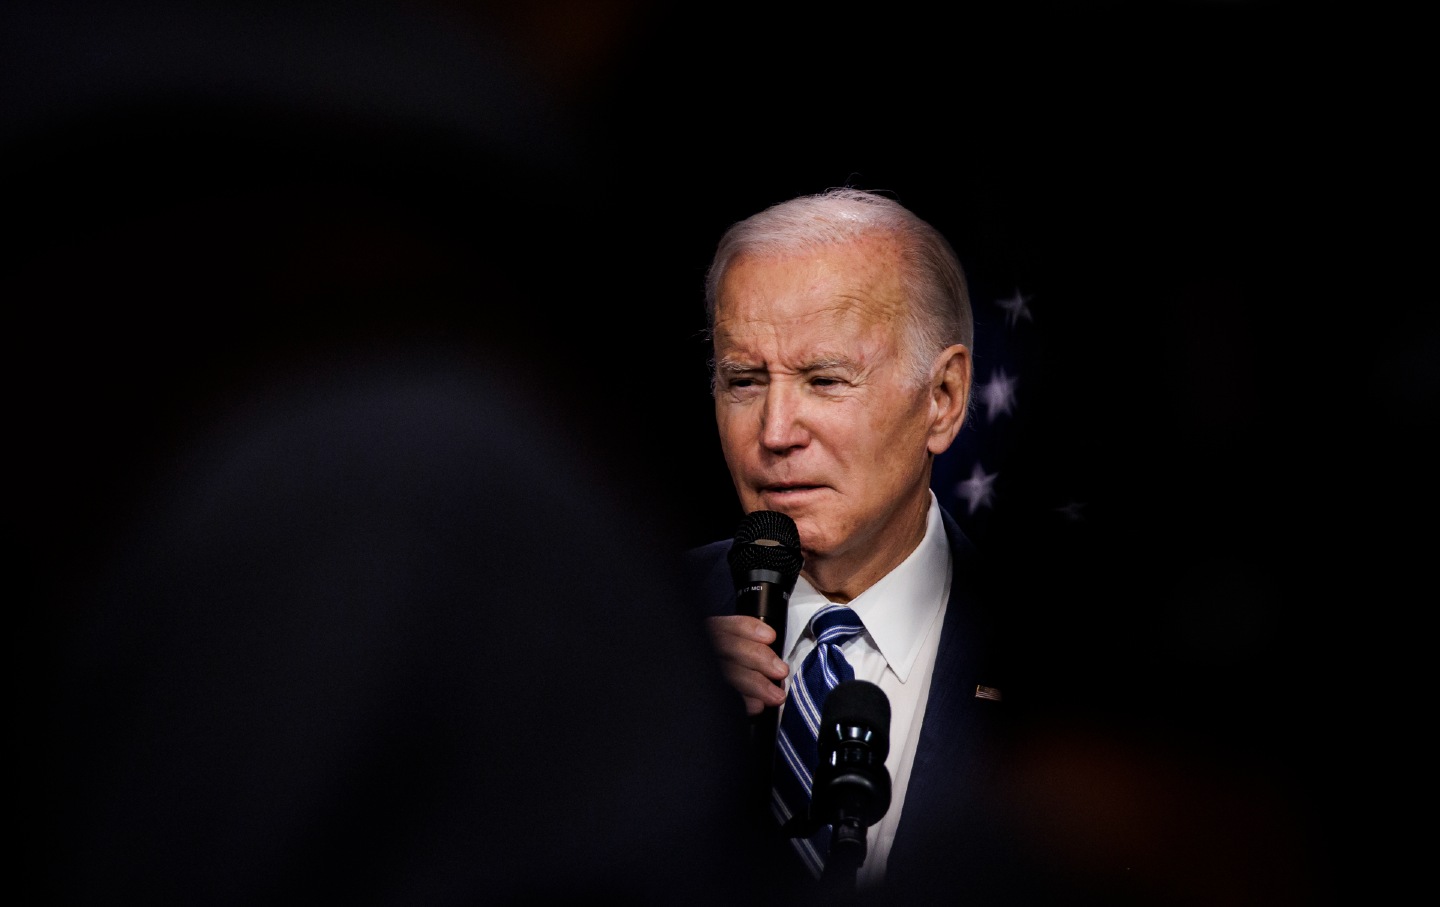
706,569
709,550
959,542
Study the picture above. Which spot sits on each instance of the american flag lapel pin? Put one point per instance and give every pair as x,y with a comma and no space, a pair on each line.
984,692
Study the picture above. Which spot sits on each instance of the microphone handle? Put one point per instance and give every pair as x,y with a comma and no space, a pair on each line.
766,599
762,596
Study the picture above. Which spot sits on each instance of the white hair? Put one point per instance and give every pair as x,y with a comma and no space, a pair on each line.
933,282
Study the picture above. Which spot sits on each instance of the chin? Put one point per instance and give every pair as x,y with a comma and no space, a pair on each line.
812,541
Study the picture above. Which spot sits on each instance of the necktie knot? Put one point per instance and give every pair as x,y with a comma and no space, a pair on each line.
834,625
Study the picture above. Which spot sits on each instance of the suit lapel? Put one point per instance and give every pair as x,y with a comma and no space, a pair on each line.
951,767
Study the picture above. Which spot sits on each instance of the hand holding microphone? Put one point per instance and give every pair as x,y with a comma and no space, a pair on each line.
765,562
851,787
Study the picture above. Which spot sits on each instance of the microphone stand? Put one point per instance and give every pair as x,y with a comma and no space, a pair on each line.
844,856
851,790
847,852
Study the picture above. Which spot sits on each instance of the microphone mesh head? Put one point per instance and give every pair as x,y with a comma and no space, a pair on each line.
766,540
858,703
851,778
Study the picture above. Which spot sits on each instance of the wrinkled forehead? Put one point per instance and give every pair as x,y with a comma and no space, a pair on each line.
854,279
836,306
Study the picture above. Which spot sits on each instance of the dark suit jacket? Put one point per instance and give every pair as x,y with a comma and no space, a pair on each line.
959,836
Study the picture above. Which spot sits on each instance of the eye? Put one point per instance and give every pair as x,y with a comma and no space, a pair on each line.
743,383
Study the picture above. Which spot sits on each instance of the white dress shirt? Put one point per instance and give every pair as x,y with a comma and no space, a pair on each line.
902,614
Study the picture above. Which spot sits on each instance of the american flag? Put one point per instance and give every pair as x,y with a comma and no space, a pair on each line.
972,478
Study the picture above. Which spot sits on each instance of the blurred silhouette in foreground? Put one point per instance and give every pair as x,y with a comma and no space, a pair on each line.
327,607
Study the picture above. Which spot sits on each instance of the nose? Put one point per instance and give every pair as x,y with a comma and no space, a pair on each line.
783,424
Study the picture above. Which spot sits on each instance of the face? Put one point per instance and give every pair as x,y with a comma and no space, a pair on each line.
819,414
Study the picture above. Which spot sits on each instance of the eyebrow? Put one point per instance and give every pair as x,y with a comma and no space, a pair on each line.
731,366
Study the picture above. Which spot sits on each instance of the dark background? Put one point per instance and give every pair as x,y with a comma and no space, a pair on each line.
1228,364
1204,203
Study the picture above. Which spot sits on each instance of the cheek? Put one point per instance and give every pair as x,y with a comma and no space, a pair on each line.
893,434
737,438
728,428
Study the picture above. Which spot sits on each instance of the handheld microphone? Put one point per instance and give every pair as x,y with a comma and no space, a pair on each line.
851,791
765,562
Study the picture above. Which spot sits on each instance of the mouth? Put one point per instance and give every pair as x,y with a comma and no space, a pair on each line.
787,490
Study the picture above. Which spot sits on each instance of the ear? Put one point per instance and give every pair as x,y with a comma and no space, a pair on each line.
949,397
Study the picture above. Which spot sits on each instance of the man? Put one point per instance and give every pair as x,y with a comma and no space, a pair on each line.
842,335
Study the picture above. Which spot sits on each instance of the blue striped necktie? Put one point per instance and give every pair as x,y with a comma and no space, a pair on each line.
796,741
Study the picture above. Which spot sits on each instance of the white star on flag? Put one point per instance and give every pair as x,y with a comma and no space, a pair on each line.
998,395
1016,307
977,489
